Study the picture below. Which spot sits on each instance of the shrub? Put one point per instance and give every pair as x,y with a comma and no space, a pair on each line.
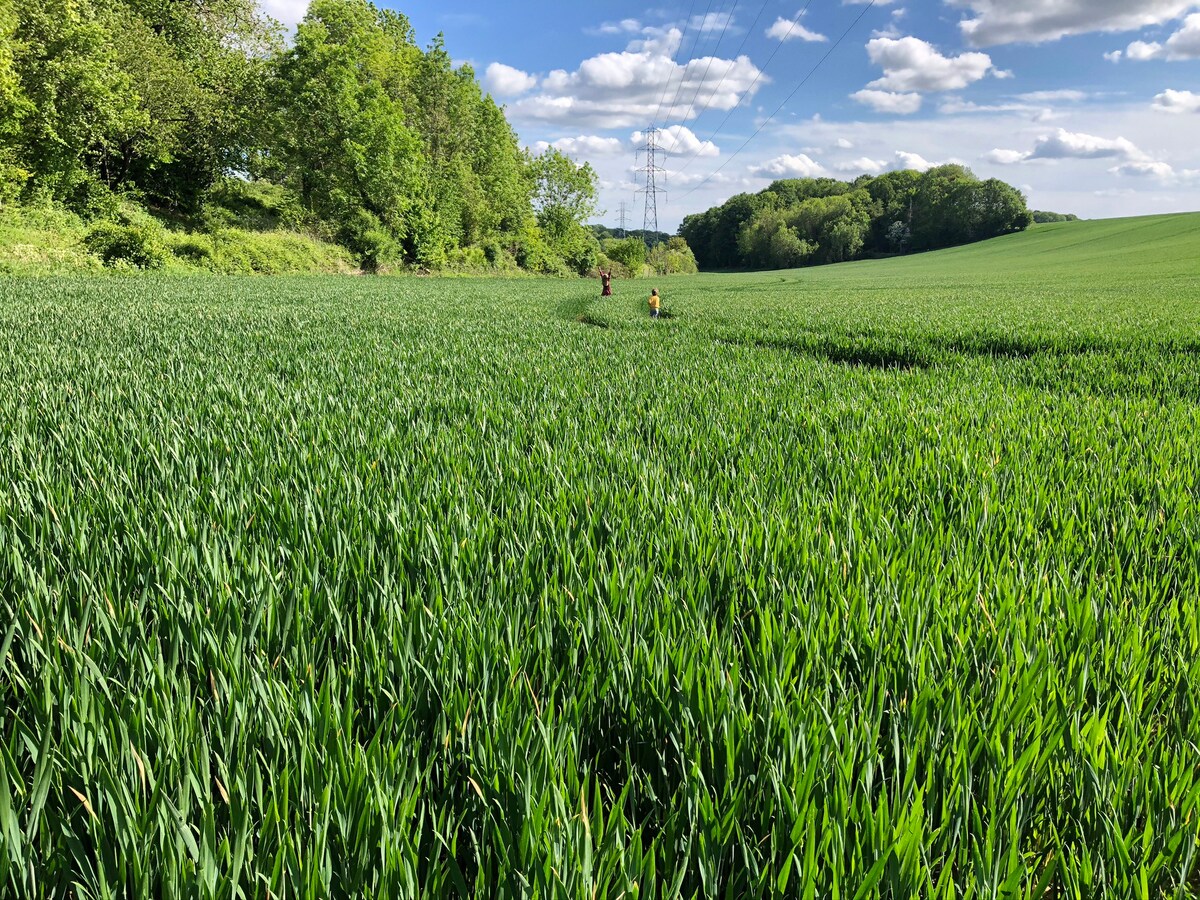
630,253
134,245
93,201
534,255
367,238
196,249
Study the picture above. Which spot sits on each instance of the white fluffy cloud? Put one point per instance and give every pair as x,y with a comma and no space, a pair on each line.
621,90
914,161
586,145
888,102
1177,102
1132,161
788,166
865,165
289,12
954,106
1034,21
505,81
679,140
792,30
1183,44
1065,144
1149,169
1006,157
1067,96
625,26
911,64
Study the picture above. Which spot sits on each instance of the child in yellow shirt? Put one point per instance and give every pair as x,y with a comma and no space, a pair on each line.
654,304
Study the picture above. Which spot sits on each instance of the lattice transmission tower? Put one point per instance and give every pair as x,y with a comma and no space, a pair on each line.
623,217
651,171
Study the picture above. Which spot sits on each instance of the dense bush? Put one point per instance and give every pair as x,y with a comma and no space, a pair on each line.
135,245
1049,218
630,253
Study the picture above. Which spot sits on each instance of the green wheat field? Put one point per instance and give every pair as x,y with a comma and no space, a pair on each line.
879,580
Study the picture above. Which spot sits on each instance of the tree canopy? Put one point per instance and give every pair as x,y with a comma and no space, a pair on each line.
820,220
386,147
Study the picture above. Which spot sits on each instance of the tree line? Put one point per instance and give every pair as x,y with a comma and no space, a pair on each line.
380,145
814,221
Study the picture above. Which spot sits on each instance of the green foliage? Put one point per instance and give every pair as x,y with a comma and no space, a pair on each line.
369,240
74,96
674,257
13,106
1049,218
233,251
137,245
768,242
341,137
564,194
819,221
629,253
868,581
535,255
251,206
172,102
579,249
714,235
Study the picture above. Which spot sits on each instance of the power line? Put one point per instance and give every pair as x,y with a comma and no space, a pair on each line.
683,74
737,53
623,216
707,69
761,72
667,84
786,100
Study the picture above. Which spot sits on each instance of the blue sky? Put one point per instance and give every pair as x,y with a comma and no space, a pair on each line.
1089,106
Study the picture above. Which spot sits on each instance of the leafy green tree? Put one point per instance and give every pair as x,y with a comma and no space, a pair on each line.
818,221
998,208
713,236
835,225
1047,218
898,236
341,138
793,191
630,253
504,178
564,194
893,194
13,104
478,174
674,257
768,241
76,96
940,204
198,72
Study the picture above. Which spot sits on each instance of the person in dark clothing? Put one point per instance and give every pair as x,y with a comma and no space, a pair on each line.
606,281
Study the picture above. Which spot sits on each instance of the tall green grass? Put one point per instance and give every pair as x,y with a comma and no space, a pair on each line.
877,581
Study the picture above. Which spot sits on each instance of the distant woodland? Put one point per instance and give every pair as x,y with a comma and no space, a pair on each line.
816,221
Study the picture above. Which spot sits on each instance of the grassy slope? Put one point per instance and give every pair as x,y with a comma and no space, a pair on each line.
1160,245
51,242
1105,280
